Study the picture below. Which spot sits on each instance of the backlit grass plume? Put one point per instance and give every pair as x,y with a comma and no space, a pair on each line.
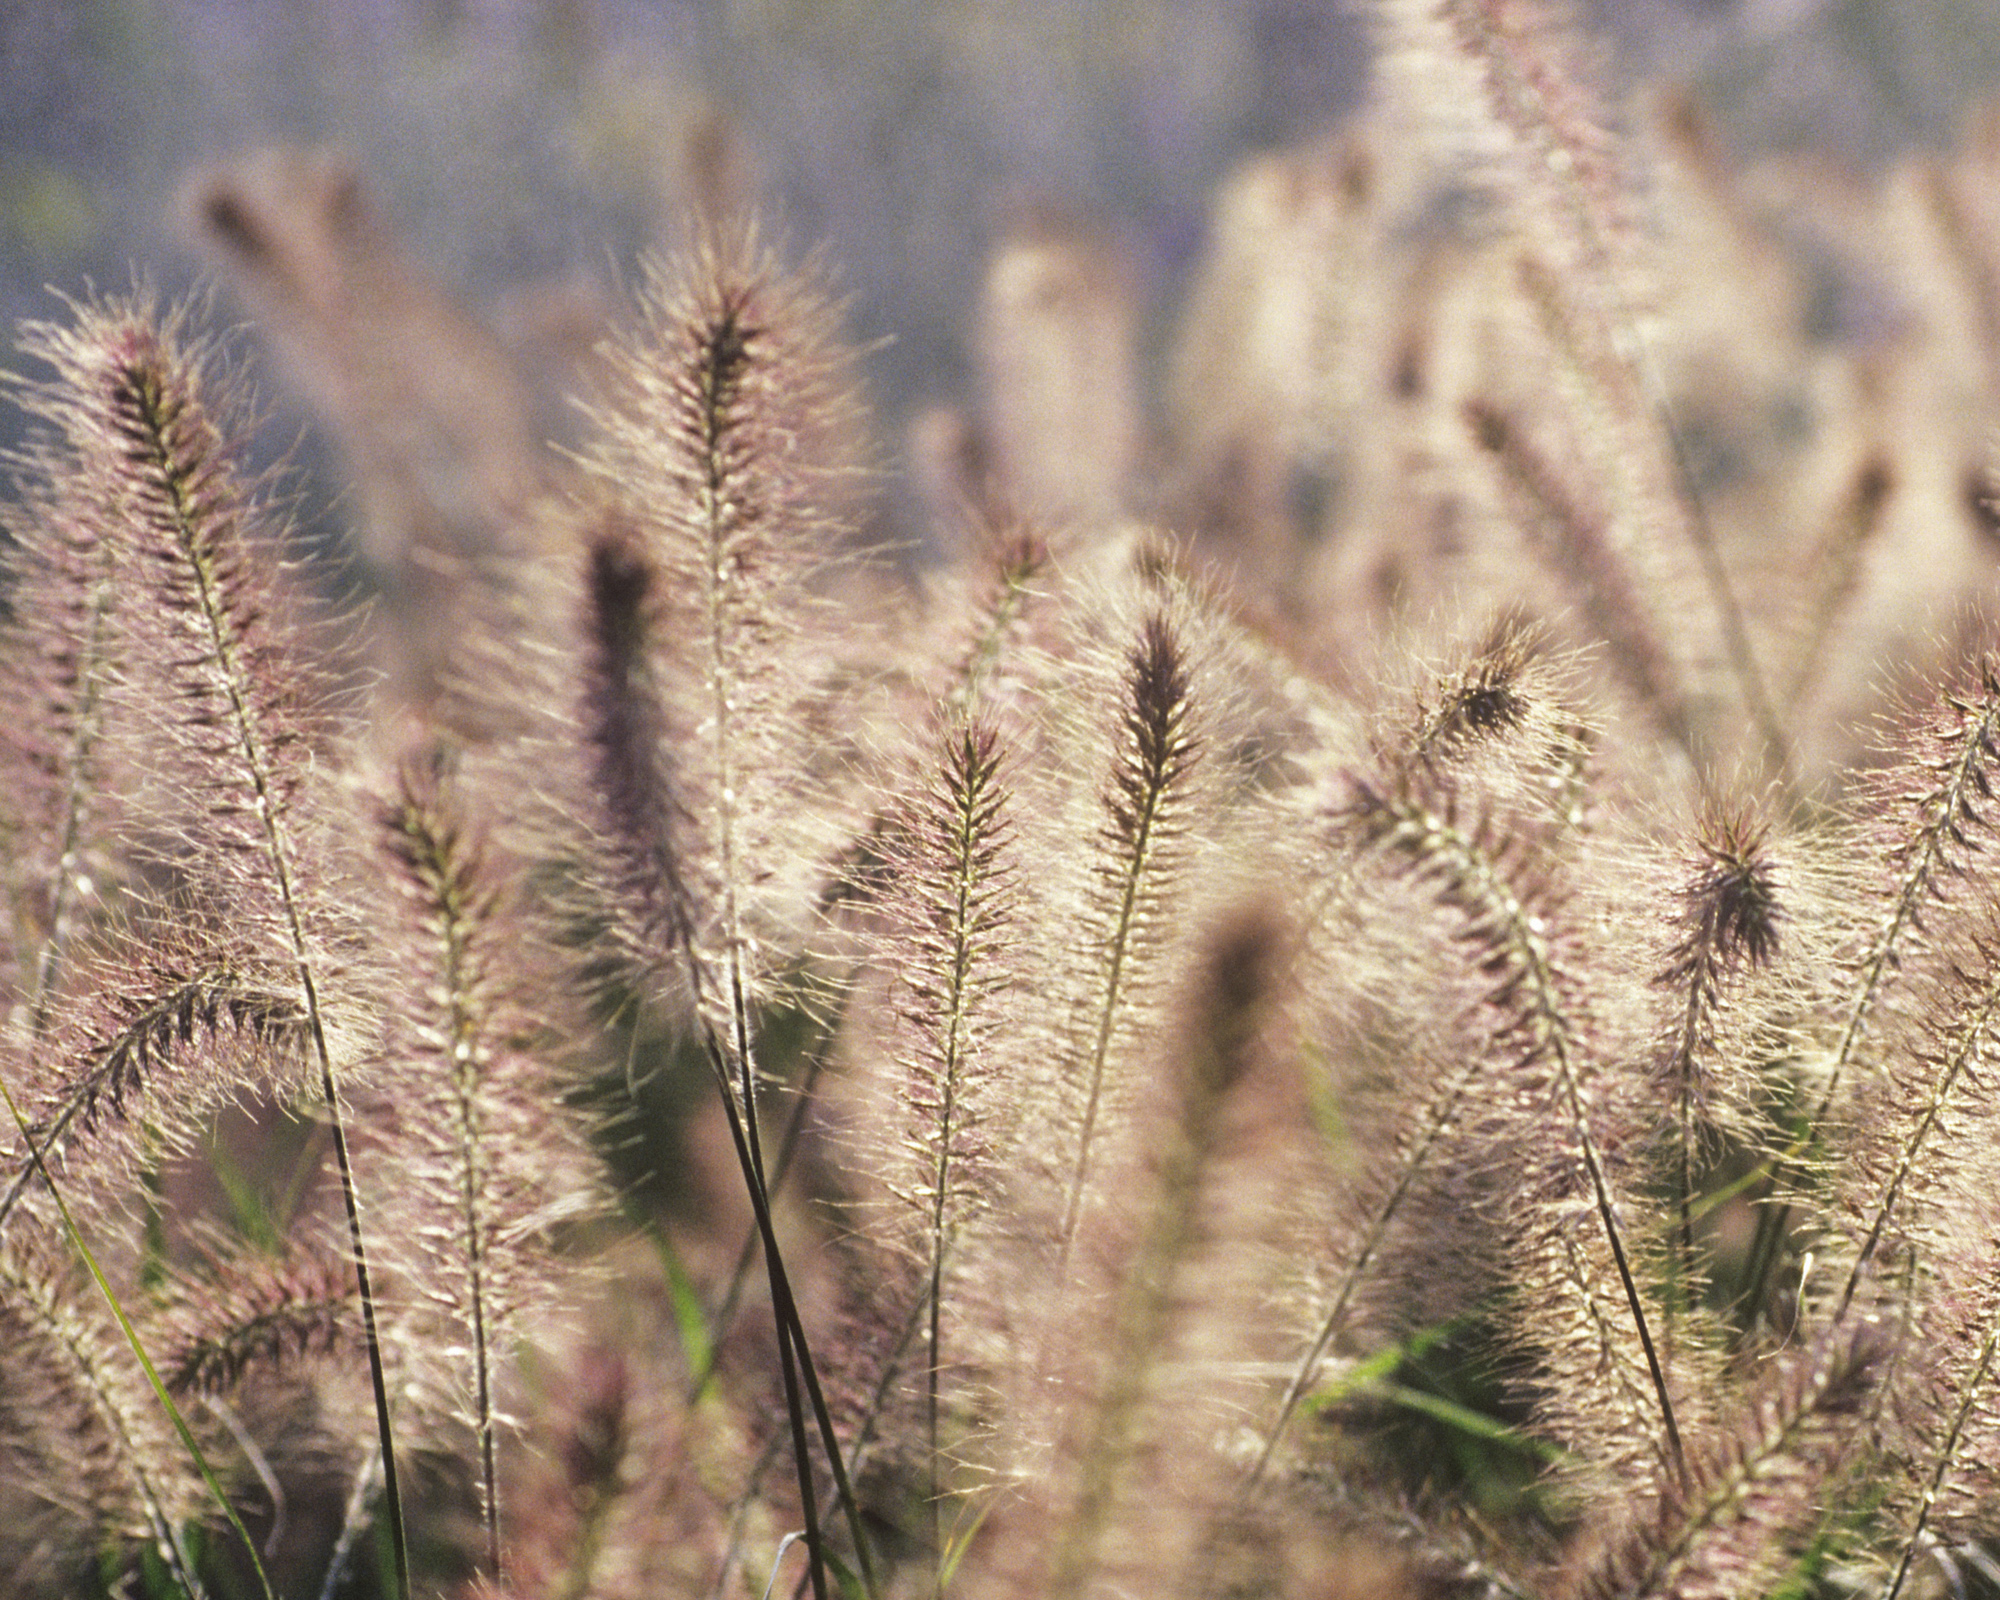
1755,1494
948,953
1148,740
718,454
1729,922
720,457
146,1017
58,662
962,881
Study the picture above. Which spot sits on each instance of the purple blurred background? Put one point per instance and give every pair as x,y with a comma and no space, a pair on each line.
513,141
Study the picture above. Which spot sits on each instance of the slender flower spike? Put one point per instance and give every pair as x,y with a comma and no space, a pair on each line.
954,900
1146,1387
154,1041
111,1451
57,662
1753,1493
1138,856
719,450
485,1164
1930,819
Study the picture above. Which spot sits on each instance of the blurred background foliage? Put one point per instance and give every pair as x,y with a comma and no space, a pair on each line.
517,143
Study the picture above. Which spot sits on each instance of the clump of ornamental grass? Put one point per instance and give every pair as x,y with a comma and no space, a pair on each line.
1345,1016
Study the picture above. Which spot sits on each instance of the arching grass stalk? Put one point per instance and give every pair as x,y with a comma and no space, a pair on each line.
1512,947
1947,1457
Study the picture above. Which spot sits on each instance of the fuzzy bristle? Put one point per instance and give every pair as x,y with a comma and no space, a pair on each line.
484,1165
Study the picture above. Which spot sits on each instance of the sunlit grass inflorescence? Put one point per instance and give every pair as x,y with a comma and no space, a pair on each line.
1303,1021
